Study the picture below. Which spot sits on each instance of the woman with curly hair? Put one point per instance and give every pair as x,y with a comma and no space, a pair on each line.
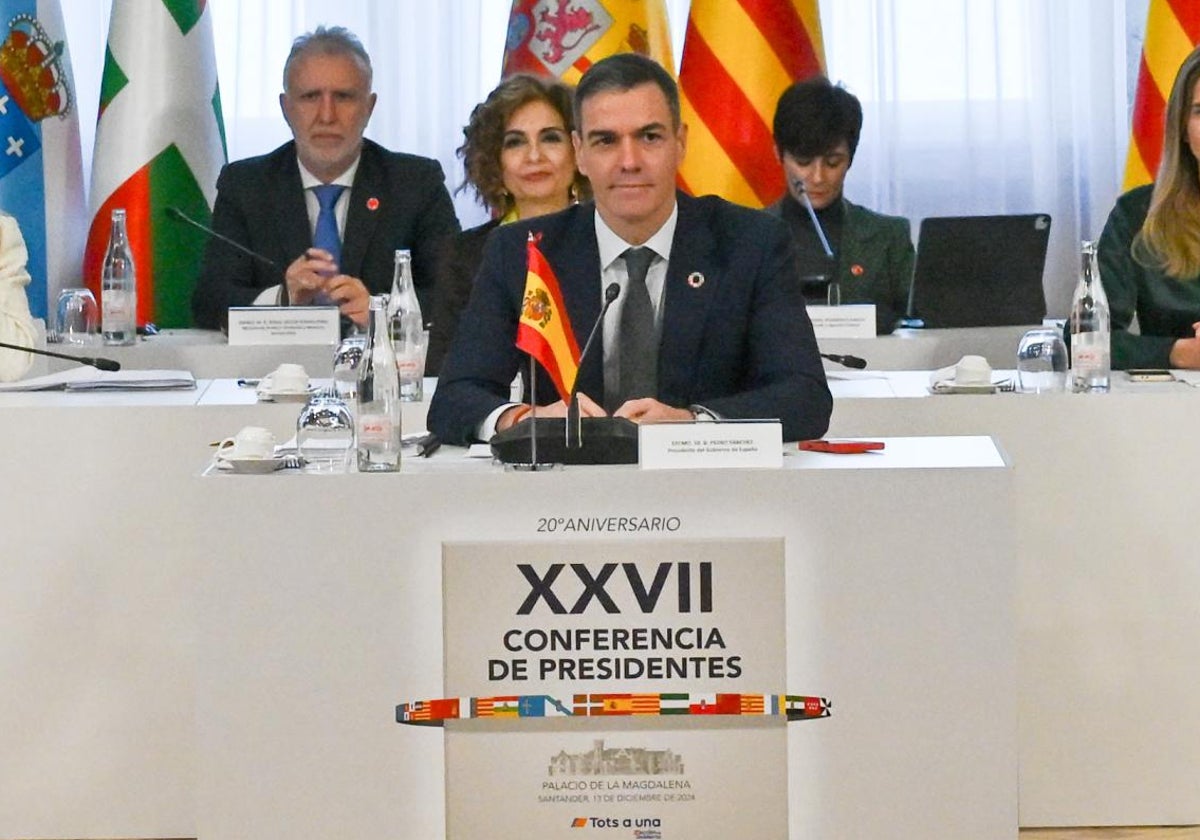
520,162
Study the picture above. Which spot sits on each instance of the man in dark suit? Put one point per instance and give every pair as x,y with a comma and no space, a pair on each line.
730,337
271,203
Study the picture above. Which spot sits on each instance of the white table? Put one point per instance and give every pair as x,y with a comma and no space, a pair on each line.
207,354
1108,584
218,657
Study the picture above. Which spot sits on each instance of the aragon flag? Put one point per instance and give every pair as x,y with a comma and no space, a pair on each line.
564,38
159,143
1172,31
544,331
41,169
738,57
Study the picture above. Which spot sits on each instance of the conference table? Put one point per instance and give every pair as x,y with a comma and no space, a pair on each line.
1009,590
207,354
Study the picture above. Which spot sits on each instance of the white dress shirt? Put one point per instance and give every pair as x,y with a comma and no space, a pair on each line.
612,270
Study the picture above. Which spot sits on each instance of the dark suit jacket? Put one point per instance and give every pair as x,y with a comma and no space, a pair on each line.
260,204
739,343
457,265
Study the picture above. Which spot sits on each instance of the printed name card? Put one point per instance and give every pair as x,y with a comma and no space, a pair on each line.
754,444
284,325
853,320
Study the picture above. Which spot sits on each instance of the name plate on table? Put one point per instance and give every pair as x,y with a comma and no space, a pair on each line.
727,444
284,325
853,320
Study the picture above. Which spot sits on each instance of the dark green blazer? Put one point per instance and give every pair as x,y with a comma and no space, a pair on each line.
875,261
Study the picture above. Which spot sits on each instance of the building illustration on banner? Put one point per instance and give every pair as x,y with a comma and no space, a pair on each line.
616,761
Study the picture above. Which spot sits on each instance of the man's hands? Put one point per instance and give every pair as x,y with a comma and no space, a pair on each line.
649,410
644,410
314,273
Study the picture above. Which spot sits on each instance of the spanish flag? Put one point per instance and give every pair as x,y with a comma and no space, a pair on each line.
1172,31
544,331
738,58
563,39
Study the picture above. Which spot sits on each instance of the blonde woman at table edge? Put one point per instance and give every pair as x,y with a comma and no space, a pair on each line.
16,324
1149,252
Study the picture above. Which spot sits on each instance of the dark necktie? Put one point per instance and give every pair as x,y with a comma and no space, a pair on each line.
326,234
639,351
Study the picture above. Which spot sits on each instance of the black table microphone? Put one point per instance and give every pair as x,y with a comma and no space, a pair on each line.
179,215
100,364
847,361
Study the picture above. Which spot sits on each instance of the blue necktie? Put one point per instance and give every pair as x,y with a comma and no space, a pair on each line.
326,235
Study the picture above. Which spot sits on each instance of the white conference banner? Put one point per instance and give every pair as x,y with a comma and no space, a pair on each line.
640,631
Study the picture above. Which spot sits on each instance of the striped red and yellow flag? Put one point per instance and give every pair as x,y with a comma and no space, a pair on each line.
564,38
1172,31
738,57
159,143
544,330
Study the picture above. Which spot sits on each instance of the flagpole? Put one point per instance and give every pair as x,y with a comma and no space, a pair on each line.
533,458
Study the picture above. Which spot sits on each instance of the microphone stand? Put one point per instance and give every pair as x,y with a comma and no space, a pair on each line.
574,425
833,292
96,362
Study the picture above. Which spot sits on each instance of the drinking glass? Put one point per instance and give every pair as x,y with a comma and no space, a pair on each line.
1042,362
325,433
77,317
410,364
345,366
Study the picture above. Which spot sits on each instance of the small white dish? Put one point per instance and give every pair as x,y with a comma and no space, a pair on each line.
251,466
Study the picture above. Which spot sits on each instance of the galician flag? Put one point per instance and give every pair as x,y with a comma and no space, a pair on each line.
160,142
564,38
41,171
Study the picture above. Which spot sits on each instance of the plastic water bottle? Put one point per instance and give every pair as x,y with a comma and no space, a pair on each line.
118,287
1091,331
407,329
377,421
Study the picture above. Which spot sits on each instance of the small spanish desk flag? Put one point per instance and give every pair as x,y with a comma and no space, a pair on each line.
544,331
556,38
1172,31
738,57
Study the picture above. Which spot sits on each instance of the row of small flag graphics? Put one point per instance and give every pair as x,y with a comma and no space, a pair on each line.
437,712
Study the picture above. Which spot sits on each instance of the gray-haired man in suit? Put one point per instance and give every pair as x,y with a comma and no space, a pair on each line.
329,207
